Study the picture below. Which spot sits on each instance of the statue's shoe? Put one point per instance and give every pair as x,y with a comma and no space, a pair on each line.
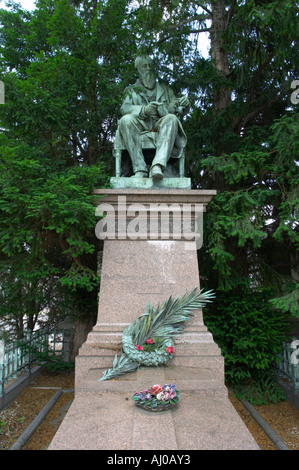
156,172
141,174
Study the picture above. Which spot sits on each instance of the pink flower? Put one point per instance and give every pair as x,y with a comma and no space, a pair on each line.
140,348
155,389
149,341
169,395
169,350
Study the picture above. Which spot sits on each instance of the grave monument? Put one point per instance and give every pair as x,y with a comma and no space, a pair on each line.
152,230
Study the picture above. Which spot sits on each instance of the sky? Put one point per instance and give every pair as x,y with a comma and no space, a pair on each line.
26,4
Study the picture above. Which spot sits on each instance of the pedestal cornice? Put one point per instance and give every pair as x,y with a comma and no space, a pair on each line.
180,196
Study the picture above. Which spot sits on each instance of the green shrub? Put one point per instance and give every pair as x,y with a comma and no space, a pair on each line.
53,362
42,354
249,332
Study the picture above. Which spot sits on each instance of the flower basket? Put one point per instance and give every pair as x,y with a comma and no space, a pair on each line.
157,398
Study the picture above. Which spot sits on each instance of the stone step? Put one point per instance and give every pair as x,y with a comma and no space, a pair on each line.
108,327
191,349
107,418
205,377
199,380
106,362
196,327
112,340
216,364
108,349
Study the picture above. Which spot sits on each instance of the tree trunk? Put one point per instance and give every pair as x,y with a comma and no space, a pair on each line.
222,95
82,328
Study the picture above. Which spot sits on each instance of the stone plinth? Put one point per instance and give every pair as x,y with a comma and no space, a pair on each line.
118,182
151,238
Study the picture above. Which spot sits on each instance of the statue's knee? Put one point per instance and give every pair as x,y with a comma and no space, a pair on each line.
126,121
170,119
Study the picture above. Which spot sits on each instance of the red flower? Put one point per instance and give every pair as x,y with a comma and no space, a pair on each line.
169,350
140,348
149,341
155,389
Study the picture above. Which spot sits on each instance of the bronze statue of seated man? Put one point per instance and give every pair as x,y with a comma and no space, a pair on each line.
151,106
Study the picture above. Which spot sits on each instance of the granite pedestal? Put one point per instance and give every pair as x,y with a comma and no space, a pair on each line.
143,261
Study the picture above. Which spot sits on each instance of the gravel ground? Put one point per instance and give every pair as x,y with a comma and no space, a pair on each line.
282,417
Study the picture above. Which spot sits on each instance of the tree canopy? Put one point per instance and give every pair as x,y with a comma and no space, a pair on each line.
65,66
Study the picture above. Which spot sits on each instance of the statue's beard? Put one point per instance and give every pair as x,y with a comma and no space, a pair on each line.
148,80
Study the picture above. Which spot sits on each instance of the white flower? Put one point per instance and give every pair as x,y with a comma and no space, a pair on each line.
160,396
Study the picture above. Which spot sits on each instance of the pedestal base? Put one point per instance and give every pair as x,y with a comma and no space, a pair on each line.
134,272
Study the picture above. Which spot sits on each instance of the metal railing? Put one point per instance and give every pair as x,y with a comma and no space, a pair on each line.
18,357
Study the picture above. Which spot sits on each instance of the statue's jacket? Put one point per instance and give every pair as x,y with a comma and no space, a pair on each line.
135,100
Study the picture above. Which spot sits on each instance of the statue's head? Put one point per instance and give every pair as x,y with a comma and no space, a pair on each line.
144,66
143,59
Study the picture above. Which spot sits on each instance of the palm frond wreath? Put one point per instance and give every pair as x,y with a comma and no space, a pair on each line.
149,341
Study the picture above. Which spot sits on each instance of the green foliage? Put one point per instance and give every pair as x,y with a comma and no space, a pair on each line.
261,389
249,333
61,93
288,303
53,363
46,235
252,225
246,148
44,356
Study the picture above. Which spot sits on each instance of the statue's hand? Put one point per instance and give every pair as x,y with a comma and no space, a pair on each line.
183,101
151,108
